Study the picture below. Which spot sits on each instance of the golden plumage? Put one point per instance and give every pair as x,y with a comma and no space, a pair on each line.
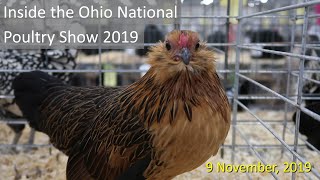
177,114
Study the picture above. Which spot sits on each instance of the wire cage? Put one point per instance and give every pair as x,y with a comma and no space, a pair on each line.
268,57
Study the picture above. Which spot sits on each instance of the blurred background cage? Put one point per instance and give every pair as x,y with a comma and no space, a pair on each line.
267,55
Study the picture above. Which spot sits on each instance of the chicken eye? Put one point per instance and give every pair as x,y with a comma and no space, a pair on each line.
168,46
197,46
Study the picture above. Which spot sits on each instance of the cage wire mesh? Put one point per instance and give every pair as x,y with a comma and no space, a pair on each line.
268,59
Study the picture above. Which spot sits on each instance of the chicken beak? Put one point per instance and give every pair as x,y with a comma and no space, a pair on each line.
185,55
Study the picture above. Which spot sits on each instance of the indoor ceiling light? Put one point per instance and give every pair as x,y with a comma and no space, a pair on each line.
206,2
251,4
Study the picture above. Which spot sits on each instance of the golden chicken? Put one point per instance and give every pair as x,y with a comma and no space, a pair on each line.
169,122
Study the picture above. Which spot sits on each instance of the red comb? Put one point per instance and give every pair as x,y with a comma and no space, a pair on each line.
183,40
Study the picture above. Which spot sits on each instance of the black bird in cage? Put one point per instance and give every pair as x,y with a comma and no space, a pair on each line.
217,37
311,89
267,36
11,60
309,126
152,34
